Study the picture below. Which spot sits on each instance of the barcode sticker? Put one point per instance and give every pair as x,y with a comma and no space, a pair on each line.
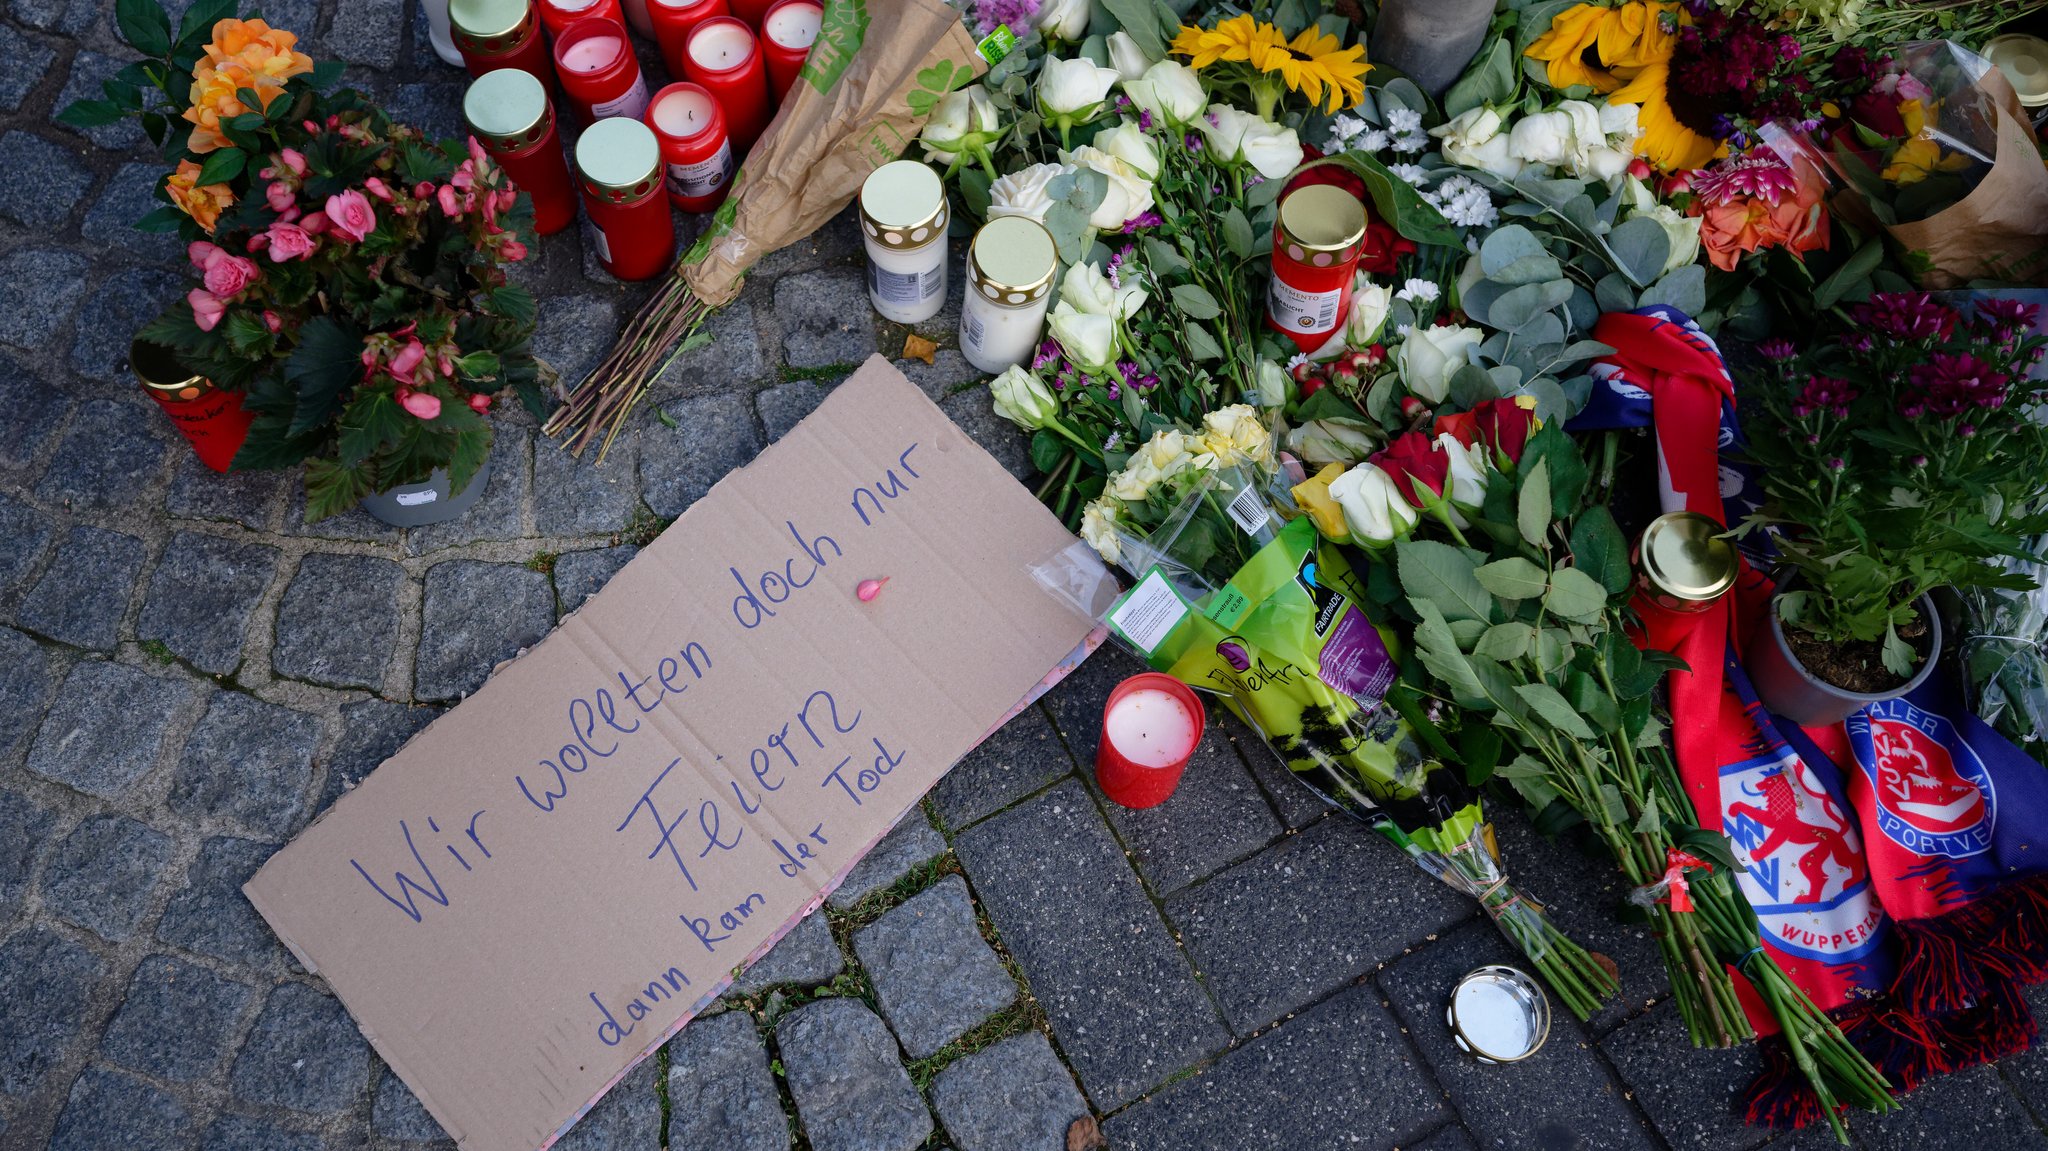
1148,613
1309,313
1249,510
904,287
972,330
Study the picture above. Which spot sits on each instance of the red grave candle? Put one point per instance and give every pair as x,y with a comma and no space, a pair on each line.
557,15
726,59
787,33
213,421
673,22
618,164
509,114
494,34
1151,725
694,147
1316,242
599,72
754,12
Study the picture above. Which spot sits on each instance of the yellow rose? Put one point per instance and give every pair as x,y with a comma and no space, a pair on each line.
1312,496
1236,435
203,204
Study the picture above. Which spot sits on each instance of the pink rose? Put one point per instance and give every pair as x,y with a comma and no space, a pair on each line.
227,276
202,253
279,197
290,242
479,403
350,214
207,308
420,404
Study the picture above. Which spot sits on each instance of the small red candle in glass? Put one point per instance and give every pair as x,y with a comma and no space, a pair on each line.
1316,242
787,33
494,34
599,72
694,146
726,58
618,164
213,421
1151,725
557,15
754,12
509,114
673,22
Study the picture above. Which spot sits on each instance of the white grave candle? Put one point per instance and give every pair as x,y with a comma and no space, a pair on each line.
1151,728
592,53
683,113
721,48
793,25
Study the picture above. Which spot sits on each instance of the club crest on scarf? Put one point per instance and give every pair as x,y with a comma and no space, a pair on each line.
1934,796
1804,866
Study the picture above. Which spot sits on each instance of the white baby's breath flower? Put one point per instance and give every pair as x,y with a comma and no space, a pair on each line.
1418,289
1344,129
1404,120
1373,141
1409,141
1414,174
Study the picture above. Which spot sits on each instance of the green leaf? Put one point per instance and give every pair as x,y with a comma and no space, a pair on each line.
1651,822
1640,246
1201,344
221,166
1517,308
1545,701
1141,20
1600,550
323,370
1683,288
369,426
1568,475
1513,578
1898,655
1505,641
1490,79
1532,506
1853,271
974,188
202,16
1710,846
326,72
1396,200
144,25
1438,651
1195,302
1047,450
90,113
1162,257
513,303
1439,574
1237,233
1575,596
1479,745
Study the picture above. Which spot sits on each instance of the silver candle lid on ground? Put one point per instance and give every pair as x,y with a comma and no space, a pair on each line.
1499,1014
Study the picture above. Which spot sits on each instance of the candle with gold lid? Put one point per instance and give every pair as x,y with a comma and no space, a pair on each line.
1009,282
509,114
619,162
903,221
494,34
1316,243
212,420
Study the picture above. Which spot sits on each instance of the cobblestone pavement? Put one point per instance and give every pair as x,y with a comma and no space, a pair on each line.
192,673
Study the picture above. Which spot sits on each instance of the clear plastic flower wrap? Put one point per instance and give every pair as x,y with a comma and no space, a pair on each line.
2004,652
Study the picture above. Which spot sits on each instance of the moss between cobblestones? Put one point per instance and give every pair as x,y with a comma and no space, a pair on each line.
543,562
829,372
157,651
641,531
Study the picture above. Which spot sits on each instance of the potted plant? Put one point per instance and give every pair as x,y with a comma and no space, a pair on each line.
352,273
1899,456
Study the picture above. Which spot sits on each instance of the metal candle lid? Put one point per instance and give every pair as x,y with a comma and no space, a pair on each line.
903,205
619,156
1683,554
161,371
1498,1014
491,26
508,107
1011,260
1321,219
2024,60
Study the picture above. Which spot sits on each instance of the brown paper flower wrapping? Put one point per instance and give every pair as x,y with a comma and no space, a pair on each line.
2000,230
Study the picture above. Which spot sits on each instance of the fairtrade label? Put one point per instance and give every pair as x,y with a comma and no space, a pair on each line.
630,104
703,177
1306,312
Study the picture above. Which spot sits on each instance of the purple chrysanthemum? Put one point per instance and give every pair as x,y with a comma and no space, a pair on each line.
1907,316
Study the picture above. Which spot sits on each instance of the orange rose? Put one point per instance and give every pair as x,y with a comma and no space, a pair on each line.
203,204
244,54
263,50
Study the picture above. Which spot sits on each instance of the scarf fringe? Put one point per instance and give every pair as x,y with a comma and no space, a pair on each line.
1950,962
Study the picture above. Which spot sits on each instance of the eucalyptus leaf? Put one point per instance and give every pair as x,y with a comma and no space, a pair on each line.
1487,80
1614,293
1471,386
1518,307
1685,289
1505,246
1640,246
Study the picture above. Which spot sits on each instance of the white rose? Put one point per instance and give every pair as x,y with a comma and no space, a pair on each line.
1088,290
1129,143
1073,88
1023,399
1429,357
1605,164
1586,131
1170,91
1466,484
1022,192
1166,451
1098,527
1636,195
1136,481
1373,507
1236,435
963,121
1470,128
1237,136
1475,140
1333,441
1683,232
1619,123
1542,138
1269,384
1063,19
1126,57
1370,304
1129,195
1088,340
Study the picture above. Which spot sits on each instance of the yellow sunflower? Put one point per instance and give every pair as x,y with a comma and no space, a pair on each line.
1312,63
1231,40
1665,141
1594,45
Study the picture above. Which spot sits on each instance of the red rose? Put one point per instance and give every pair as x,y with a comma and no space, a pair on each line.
1336,175
1505,425
1418,467
1463,426
1383,248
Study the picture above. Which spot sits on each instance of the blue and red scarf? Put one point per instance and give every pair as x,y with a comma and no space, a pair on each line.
1895,861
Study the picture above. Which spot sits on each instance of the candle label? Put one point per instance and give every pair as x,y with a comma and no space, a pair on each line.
973,332
1148,613
1299,311
904,289
703,177
631,104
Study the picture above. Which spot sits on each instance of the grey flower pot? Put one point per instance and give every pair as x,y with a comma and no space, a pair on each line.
1785,686
432,502
1431,41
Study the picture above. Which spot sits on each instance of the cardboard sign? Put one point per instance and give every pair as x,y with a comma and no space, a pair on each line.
548,881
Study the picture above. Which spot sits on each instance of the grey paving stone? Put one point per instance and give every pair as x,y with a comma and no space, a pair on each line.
1122,1000
23,827
998,436
241,1133
1280,1090
1014,1096
39,288
23,64
629,1116
501,512
36,410
713,435
41,181
2027,1072
250,761
574,333
911,842
399,1114
176,1020
372,731
1563,1095
934,976
732,359
806,957
24,685
211,916
1452,1138
353,524
850,1091
129,196
822,324
1076,702
434,108
720,1091
84,592
109,1109
303,1053
581,497
477,614
106,728
1216,816
1970,1109
67,16
837,240
1691,1094
198,492
784,406
101,874
1312,913
338,622
44,982
25,531
201,597
580,575
90,69
1022,756
107,459
121,305
368,32
947,371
